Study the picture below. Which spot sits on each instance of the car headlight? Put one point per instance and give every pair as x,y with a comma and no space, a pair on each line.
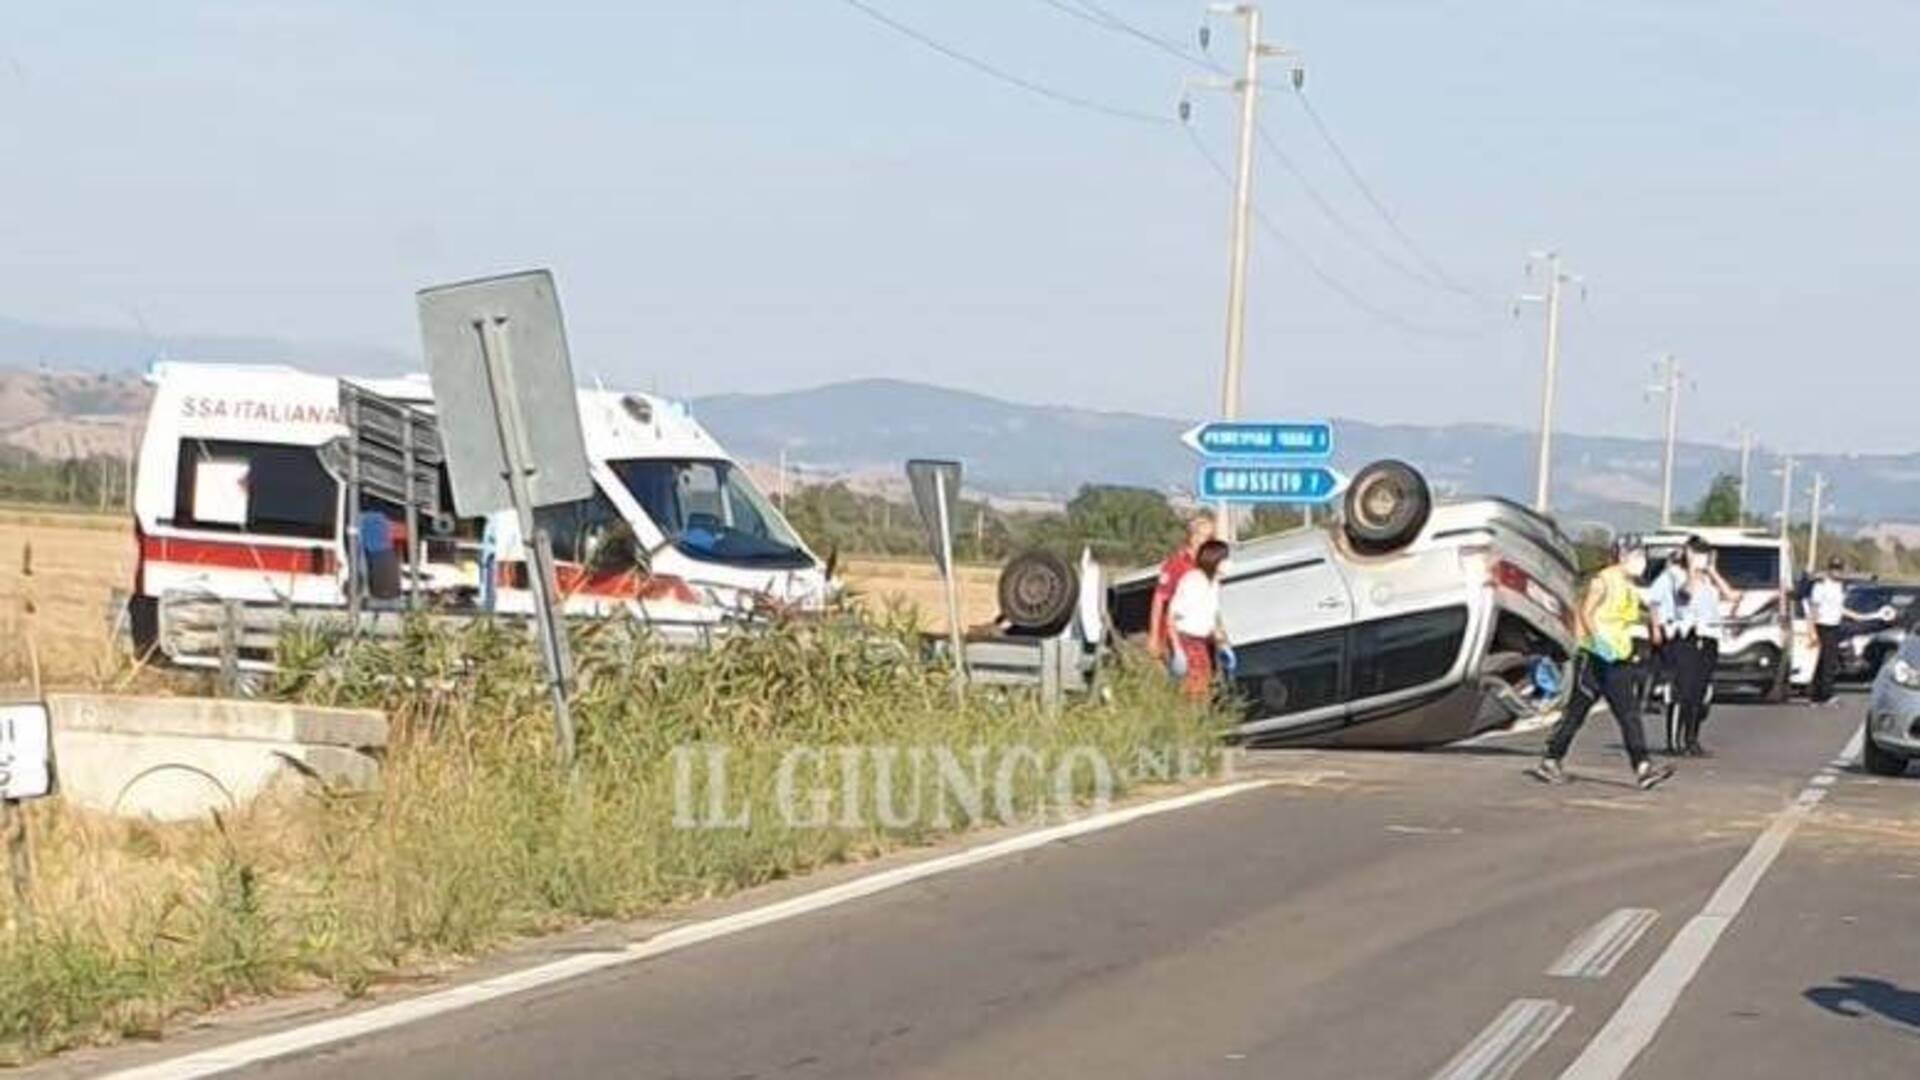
1906,674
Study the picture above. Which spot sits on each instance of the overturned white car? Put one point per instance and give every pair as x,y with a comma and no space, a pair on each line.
1402,623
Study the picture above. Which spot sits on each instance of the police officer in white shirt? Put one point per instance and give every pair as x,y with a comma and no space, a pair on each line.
1827,605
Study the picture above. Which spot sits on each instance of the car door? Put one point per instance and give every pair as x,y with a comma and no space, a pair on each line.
1287,618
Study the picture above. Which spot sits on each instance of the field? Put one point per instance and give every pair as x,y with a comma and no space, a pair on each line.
58,576
70,566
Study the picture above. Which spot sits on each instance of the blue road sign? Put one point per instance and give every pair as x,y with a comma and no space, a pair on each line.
1246,482
1258,439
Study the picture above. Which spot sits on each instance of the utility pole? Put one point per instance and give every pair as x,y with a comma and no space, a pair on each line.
1557,279
1813,523
1746,463
1786,499
1671,388
1248,87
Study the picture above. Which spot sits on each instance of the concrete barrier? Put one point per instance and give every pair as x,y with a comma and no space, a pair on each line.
171,759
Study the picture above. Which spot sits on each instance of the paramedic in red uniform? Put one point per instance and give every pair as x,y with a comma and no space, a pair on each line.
1159,633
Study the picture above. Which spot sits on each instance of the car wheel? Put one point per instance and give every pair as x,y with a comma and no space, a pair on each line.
1386,506
1037,592
1875,657
1777,691
1877,761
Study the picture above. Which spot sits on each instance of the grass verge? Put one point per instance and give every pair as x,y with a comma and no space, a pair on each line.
698,774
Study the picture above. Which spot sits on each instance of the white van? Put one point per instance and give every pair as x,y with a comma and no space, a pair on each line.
234,500
1758,651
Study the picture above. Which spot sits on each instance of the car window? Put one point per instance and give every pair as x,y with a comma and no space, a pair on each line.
1292,674
1749,567
268,488
1406,651
588,531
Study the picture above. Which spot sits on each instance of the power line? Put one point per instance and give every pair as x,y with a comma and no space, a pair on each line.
1334,284
1341,222
1061,96
1092,13
1380,207
1089,12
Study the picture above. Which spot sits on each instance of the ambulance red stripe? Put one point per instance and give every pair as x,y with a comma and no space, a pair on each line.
237,555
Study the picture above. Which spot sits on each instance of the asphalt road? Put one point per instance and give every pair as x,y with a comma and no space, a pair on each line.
1365,915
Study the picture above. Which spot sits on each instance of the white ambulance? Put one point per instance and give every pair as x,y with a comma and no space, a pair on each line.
235,500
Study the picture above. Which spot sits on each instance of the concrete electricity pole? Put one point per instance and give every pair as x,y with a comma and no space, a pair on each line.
1786,499
1670,387
1557,280
1248,87
1746,463
1813,523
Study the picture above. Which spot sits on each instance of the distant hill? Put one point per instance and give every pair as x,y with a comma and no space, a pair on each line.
1015,449
863,430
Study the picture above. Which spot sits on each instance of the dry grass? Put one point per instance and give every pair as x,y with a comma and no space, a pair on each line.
916,585
475,838
79,560
58,573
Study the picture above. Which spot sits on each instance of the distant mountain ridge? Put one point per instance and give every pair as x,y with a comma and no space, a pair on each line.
1016,449
72,392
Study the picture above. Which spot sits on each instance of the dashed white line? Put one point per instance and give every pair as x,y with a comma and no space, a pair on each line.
1504,1045
1594,953
313,1036
1647,1006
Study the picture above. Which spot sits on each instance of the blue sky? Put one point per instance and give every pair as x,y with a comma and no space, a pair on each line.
749,194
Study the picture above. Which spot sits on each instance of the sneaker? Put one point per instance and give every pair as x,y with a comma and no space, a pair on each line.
1548,772
1650,776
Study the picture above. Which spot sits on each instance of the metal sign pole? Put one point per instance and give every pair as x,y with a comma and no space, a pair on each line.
513,447
953,594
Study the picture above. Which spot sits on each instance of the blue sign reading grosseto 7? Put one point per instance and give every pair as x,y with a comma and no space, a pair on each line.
1253,439
1235,482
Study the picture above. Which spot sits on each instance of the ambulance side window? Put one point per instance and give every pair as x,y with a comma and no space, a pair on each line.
588,531
265,488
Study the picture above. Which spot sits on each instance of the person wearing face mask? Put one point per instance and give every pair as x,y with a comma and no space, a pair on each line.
1688,601
1605,668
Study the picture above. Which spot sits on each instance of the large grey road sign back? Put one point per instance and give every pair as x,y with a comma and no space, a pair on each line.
512,324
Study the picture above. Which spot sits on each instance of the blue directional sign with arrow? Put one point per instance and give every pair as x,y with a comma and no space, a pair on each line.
1251,461
1253,482
1255,439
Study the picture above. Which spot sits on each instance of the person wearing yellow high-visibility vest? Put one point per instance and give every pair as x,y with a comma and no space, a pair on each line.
1605,667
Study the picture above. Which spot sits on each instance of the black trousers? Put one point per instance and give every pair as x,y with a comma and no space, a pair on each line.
1690,666
1594,679
1828,666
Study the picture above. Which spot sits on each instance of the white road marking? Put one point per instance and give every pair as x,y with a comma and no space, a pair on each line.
1633,1025
1594,953
1504,1045
264,1048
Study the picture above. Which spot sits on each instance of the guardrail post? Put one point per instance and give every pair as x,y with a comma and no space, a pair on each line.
230,616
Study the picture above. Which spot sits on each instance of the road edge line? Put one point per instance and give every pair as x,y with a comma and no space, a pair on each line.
282,1044
1631,1028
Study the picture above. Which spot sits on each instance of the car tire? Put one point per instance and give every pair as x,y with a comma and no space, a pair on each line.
1037,592
1875,657
1386,506
1777,691
143,625
1877,761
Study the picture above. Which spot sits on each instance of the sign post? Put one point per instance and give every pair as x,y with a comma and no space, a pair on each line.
936,489
510,420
